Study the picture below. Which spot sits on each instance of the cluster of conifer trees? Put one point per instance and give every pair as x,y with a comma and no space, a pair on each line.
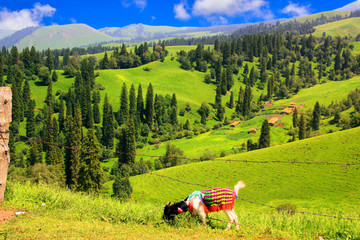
121,58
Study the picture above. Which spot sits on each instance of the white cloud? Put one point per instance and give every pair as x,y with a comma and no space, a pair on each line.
73,20
138,3
180,12
295,10
228,8
16,20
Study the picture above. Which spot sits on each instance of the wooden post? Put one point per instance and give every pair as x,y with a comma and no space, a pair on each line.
5,120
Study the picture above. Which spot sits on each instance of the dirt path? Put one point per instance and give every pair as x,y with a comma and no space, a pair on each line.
6,215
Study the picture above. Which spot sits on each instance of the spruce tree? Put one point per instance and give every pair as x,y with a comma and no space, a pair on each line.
247,101
315,122
123,114
96,110
231,101
295,118
34,154
149,109
61,115
90,175
239,104
132,102
49,60
217,97
30,121
122,187
302,127
223,82
264,140
126,148
73,133
26,97
140,105
54,76
108,130
173,105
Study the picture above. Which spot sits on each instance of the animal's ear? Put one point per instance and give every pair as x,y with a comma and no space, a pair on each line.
168,204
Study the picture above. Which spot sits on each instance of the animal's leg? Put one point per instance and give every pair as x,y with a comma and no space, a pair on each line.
203,217
230,216
236,219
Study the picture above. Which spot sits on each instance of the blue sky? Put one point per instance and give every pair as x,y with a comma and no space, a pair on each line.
17,14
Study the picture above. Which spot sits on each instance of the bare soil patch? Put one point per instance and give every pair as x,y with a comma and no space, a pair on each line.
6,215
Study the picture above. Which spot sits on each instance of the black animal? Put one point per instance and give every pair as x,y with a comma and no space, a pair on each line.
170,211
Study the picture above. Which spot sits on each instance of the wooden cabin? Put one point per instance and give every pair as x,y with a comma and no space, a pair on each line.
252,131
234,124
273,120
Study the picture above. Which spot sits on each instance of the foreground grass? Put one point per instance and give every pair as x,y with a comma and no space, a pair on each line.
55,213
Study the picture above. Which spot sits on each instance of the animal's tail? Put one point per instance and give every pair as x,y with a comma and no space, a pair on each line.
237,187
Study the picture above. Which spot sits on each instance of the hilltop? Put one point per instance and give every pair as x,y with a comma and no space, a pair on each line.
65,36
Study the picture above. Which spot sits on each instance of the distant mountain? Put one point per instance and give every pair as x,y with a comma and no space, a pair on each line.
17,36
136,31
351,6
64,36
5,33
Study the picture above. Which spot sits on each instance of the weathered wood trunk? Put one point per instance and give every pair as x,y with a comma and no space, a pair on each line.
5,120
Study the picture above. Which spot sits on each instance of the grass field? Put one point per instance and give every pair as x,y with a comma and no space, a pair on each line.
322,189
318,15
347,27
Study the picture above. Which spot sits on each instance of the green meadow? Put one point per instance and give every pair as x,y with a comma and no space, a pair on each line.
347,27
55,213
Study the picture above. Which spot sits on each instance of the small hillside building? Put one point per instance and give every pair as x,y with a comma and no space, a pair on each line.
287,111
273,120
252,131
234,124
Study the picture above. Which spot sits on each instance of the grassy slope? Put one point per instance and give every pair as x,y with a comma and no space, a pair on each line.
347,27
270,183
318,15
333,190
214,143
73,35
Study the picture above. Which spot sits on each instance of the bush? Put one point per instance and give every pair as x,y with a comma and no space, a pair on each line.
147,69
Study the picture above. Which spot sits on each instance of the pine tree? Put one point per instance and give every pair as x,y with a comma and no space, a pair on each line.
73,134
295,118
34,154
54,76
302,127
239,105
231,101
90,175
123,114
126,146
61,115
149,109
270,87
132,102
223,82
140,105
108,129
49,60
173,105
122,187
264,140
30,121
26,97
315,123
96,110
247,101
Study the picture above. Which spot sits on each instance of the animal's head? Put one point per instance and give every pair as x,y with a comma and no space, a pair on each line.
170,211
